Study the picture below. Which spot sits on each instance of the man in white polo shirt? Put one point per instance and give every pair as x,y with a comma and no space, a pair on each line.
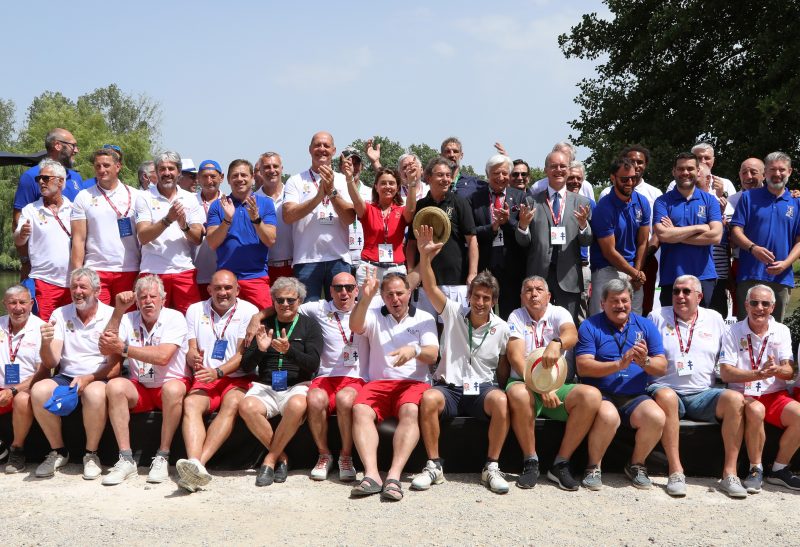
216,341
169,223
403,344
316,206
44,231
69,341
692,338
153,340
473,345
103,231
280,254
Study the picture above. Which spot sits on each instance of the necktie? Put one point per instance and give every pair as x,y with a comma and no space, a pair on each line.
498,201
556,207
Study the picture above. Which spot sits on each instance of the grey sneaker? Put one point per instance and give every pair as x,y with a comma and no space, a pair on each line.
732,486
159,470
676,485
784,478
753,481
91,467
323,467
16,461
637,473
187,486
347,471
431,474
592,478
53,461
494,479
192,472
122,471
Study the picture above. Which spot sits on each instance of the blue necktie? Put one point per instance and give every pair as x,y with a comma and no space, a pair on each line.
556,212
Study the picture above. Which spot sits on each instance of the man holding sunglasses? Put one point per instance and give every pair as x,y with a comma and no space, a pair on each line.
692,338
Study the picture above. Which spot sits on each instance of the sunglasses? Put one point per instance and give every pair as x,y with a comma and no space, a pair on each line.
518,175
281,300
45,178
684,291
625,180
348,288
762,303
113,147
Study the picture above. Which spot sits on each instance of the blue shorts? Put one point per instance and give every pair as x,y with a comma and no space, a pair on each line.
458,404
626,404
62,380
700,407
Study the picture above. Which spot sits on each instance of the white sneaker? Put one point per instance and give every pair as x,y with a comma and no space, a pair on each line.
323,467
493,478
91,467
431,474
193,472
122,471
53,461
347,471
159,470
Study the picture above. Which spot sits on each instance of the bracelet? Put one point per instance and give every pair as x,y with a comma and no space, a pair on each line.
185,230
220,372
750,248
226,221
166,222
417,349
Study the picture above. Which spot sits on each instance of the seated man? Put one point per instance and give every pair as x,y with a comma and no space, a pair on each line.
69,341
286,352
539,324
153,340
216,343
692,337
403,343
616,352
465,380
757,361
23,341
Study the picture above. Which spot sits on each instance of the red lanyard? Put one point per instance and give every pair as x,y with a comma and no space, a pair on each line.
756,364
538,343
341,331
557,220
128,210
325,200
691,333
211,317
55,214
385,219
207,204
13,353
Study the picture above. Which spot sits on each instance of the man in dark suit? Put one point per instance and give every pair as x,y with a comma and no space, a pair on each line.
495,209
553,226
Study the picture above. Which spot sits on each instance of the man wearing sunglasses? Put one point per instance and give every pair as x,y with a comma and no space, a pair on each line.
520,175
757,361
621,226
692,338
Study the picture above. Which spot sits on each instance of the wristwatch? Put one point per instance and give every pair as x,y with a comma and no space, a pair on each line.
334,193
220,372
558,339
13,391
256,221
125,350
646,361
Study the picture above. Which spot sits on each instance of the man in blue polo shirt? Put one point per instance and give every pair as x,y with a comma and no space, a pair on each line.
618,352
621,226
766,228
241,228
688,222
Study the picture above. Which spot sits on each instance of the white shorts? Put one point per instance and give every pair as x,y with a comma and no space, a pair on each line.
274,401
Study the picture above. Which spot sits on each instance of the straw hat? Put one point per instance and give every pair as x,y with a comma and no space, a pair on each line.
436,219
544,380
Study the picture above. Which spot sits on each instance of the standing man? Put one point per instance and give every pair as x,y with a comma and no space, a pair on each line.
409,167
521,175
720,187
355,230
241,228
169,223
209,177
566,148
766,228
553,226
621,227
103,234
463,185
316,207
280,254
687,222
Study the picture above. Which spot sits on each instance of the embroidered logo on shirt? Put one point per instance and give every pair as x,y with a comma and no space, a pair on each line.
701,211
790,211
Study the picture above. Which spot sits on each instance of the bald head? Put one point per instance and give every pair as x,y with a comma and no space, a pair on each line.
751,174
344,291
322,149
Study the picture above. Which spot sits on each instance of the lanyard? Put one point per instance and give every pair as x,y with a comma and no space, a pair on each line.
288,334
141,333
385,219
55,215
341,331
557,220
485,334
325,199
211,318
691,333
207,204
537,342
13,353
128,210
621,341
757,363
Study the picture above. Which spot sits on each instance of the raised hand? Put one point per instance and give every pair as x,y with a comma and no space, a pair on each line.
263,338
370,287
251,204
281,343
124,300
526,215
425,243
582,215
228,208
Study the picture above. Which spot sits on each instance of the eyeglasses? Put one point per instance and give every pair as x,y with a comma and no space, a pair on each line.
518,175
289,301
348,288
763,303
626,180
45,178
684,291
73,145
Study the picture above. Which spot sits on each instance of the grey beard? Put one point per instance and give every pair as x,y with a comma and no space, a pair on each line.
779,185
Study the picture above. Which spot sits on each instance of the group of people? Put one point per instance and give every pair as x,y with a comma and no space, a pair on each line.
292,325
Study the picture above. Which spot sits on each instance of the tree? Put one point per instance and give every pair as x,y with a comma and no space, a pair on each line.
124,113
678,73
7,111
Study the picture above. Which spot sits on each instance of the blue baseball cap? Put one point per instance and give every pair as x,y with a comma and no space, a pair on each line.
209,164
63,401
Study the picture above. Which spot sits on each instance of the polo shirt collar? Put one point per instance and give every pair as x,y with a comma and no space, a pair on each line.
412,310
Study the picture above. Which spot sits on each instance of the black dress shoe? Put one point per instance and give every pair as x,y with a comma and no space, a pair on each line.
265,476
281,471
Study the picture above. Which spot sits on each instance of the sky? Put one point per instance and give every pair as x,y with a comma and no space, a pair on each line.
238,78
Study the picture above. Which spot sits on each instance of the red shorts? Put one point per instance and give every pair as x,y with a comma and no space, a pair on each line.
774,403
333,385
256,291
150,397
113,283
181,289
280,271
7,409
386,397
49,297
216,390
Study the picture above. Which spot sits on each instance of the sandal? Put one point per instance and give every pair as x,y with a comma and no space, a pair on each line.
366,487
392,490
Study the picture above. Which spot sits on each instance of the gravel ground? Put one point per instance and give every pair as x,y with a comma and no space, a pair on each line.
67,510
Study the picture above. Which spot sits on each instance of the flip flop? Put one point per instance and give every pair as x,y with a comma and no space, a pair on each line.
392,490
366,487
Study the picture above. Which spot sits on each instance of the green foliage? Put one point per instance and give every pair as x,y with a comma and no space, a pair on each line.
793,322
8,253
676,73
424,152
7,110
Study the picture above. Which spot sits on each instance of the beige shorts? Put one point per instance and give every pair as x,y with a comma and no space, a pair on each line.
274,401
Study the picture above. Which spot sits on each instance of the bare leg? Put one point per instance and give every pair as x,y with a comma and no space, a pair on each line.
648,421
195,407
220,428
754,434
122,397
344,417
318,418
293,415
365,437
172,394
790,440
406,437
602,432
95,413
496,407
49,422
21,418
582,404
254,414
520,403
730,409
430,407
667,399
